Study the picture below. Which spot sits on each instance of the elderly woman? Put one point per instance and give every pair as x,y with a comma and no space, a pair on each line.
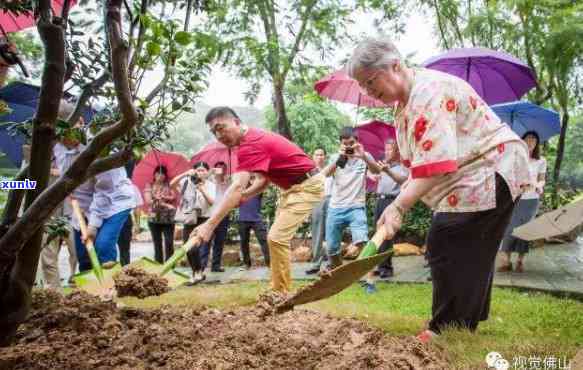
464,163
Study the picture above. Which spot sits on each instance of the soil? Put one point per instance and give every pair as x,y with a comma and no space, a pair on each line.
135,282
81,332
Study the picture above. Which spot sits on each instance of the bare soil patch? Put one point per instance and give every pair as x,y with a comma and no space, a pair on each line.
81,332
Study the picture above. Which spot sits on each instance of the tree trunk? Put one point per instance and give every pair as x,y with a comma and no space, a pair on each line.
283,126
560,153
19,252
19,278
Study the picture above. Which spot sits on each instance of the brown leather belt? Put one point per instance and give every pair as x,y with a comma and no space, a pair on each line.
305,176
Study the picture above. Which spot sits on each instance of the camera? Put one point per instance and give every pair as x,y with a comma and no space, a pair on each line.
349,150
341,161
195,179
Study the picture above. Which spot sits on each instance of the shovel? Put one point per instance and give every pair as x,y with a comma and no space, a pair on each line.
341,277
100,281
97,281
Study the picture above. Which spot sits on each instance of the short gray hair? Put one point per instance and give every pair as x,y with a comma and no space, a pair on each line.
374,53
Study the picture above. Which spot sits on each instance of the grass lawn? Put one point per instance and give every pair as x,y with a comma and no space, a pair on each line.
520,324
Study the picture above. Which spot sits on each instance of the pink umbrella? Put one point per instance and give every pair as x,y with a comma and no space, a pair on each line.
144,172
340,87
372,136
14,23
217,152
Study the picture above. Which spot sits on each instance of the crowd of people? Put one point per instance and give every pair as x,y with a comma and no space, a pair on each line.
451,151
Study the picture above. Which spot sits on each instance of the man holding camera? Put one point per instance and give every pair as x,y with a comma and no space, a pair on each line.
348,200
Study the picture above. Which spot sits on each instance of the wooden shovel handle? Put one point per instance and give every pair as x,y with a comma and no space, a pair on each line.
79,214
379,236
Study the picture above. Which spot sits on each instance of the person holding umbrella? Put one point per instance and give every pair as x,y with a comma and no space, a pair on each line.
161,199
466,164
526,208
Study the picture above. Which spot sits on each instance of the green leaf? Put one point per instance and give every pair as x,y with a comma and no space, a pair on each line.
183,38
153,48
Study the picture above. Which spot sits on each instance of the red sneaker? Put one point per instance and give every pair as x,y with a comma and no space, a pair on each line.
426,336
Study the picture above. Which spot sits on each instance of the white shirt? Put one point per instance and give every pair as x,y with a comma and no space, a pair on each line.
105,195
536,167
387,185
349,185
192,198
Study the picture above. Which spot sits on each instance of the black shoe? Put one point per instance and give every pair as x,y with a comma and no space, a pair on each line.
386,274
313,270
220,269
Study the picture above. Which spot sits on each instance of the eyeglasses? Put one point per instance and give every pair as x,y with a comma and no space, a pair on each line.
368,83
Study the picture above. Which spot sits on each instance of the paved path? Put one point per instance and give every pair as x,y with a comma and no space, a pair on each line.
554,268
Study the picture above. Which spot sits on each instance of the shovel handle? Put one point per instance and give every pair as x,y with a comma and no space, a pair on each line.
89,243
79,214
180,253
373,244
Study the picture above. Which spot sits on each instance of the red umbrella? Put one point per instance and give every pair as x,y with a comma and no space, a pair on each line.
144,172
14,23
217,152
340,87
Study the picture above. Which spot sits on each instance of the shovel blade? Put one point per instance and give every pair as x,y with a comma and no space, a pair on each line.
175,278
89,282
338,279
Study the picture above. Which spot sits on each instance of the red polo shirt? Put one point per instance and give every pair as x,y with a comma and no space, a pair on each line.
272,155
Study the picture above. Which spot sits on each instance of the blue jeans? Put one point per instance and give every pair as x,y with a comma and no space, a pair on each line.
338,219
105,242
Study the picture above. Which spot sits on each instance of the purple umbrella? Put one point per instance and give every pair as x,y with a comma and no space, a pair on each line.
496,76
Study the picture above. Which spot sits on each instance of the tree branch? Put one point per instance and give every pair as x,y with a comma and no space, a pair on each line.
188,13
141,35
115,160
299,37
13,203
28,245
267,27
88,91
119,63
156,90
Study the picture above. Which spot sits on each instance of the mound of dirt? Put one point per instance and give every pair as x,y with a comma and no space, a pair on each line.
81,332
135,282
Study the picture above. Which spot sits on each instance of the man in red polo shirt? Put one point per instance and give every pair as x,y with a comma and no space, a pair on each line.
272,158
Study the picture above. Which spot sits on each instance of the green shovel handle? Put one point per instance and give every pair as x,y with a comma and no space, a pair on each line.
373,244
94,261
179,254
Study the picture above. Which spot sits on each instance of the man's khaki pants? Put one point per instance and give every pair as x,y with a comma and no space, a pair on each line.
50,260
295,205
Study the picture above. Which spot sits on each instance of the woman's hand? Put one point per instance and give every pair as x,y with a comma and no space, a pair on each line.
391,220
